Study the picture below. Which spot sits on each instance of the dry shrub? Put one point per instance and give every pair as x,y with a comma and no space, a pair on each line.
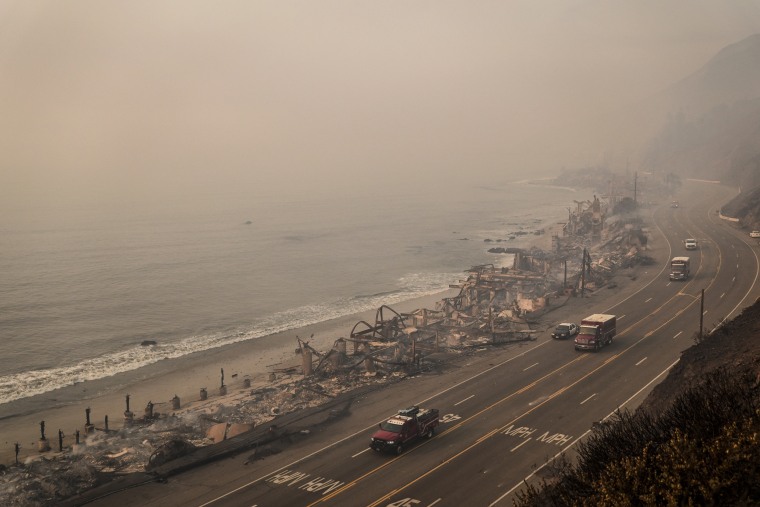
703,450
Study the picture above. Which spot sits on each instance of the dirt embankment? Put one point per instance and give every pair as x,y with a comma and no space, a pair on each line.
735,344
745,207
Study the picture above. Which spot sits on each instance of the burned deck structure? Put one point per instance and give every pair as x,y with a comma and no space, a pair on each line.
496,305
492,307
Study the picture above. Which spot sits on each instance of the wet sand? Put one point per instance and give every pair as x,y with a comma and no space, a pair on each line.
65,409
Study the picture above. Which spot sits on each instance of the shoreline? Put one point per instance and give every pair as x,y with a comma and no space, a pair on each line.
185,376
65,409
157,383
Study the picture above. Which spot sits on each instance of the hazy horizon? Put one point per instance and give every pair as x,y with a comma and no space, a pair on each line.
179,100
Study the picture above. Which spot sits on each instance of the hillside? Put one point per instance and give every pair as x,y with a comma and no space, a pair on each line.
734,345
731,76
694,441
708,124
722,144
746,207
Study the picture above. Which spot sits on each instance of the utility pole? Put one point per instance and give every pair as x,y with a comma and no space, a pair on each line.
635,182
701,313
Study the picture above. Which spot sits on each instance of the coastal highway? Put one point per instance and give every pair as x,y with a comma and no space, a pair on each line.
507,413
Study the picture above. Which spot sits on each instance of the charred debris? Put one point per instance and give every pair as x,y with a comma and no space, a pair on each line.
494,306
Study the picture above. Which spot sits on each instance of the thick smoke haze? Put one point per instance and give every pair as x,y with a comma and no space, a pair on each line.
108,102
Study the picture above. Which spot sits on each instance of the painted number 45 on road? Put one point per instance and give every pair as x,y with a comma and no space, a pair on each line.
450,418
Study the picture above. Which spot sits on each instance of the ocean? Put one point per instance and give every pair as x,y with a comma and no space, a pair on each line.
83,288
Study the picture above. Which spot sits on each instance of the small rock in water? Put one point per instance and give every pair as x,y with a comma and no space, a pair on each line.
146,343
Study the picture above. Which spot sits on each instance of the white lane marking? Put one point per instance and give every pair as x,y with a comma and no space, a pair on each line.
561,452
522,444
373,426
733,279
457,403
531,366
721,296
677,334
641,361
668,284
620,317
648,300
358,453
703,313
584,401
435,502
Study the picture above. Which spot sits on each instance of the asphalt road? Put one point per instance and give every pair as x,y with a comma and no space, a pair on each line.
506,413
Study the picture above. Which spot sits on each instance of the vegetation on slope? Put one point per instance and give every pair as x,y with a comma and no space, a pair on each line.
746,206
695,440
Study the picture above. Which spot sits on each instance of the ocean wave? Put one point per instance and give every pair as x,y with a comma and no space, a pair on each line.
31,383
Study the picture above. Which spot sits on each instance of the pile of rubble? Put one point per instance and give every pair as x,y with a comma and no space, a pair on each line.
494,306
102,455
98,457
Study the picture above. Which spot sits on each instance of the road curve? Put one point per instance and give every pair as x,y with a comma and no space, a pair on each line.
507,414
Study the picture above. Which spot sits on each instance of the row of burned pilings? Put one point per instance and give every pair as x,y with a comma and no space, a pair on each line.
222,390
43,444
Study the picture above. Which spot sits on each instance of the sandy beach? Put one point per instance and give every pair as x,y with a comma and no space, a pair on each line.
241,408
158,383
65,409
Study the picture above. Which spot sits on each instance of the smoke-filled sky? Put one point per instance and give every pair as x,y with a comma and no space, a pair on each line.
133,100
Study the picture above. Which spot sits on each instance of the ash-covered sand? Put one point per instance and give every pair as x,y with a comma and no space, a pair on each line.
200,423
158,383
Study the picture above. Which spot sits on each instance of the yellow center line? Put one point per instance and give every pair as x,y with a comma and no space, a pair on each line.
350,484
520,391
527,412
